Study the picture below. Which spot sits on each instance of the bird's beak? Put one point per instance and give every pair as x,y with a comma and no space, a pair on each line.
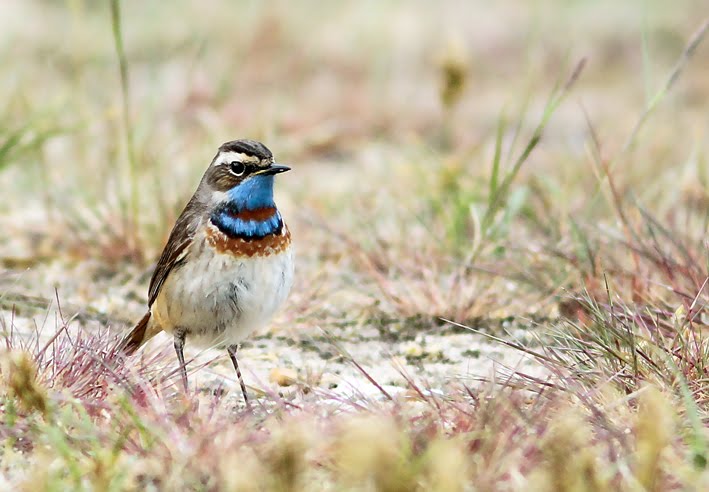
273,169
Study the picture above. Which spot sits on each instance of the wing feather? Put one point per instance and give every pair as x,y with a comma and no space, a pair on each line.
176,249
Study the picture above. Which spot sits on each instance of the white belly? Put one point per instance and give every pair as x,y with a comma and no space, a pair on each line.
221,299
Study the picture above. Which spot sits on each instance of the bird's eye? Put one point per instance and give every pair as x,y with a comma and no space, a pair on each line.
237,168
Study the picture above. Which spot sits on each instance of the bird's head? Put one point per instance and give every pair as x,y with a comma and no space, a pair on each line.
242,174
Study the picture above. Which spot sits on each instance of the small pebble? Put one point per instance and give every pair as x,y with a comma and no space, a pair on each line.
283,376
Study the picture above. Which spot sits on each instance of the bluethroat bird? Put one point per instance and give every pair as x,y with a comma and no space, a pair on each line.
228,263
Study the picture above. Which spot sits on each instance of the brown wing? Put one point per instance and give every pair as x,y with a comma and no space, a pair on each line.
176,249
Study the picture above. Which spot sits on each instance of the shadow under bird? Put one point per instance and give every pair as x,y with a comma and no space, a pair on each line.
228,264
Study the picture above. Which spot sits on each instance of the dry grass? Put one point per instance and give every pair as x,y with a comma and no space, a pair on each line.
451,161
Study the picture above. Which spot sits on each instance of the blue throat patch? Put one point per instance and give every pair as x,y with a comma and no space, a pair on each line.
253,194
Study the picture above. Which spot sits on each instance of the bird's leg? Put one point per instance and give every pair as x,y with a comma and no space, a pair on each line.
232,353
179,342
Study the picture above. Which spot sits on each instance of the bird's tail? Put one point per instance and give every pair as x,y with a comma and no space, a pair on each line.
138,335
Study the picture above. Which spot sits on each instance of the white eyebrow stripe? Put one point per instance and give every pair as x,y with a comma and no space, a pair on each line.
227,157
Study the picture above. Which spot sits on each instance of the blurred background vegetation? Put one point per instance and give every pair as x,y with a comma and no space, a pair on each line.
321,83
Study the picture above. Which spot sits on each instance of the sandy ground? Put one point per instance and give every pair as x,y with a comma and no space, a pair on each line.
294,361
